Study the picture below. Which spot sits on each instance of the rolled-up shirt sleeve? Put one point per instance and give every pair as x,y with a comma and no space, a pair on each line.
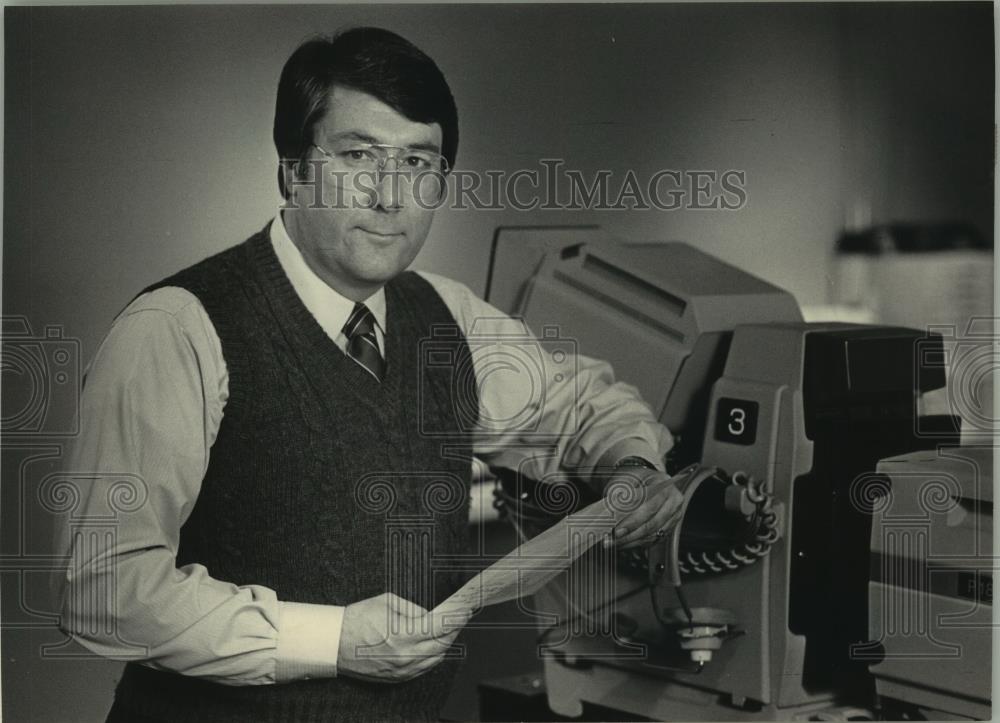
151,406
544,407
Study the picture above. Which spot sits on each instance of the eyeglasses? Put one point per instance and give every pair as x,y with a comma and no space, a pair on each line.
355,156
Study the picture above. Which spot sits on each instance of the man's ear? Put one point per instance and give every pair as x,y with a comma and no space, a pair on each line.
445,178
287,177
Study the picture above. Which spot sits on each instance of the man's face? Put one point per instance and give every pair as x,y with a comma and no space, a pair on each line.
357,247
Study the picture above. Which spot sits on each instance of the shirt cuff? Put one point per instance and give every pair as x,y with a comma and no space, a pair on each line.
631,447
308,641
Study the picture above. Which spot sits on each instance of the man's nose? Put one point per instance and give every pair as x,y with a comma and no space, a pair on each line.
388,193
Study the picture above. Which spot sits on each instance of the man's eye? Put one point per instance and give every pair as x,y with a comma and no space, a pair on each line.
358,154
420,163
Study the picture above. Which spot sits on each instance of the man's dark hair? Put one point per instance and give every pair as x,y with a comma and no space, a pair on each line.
370,60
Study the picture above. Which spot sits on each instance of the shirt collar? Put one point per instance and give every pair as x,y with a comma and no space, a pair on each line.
330,308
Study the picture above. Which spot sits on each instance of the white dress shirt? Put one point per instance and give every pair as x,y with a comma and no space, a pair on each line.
153,401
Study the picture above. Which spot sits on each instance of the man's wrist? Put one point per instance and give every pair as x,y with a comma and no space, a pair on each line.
633,462
626,448
624,452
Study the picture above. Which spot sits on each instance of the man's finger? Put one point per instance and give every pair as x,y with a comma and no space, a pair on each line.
661,522
649,540
420,667
641,517
651,536
665,508
434,645
446,622
627,492
403,606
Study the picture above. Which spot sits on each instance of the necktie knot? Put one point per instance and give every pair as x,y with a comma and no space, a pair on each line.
362,344
361,321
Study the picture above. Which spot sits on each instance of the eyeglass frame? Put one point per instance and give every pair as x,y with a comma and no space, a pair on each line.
444,170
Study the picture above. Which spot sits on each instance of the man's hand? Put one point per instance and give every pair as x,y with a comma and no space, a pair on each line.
388,639
656,514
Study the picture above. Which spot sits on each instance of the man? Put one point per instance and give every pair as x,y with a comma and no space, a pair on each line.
300,466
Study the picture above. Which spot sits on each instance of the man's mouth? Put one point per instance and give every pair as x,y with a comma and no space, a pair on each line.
385,234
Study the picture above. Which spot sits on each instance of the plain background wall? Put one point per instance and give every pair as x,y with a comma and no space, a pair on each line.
137,141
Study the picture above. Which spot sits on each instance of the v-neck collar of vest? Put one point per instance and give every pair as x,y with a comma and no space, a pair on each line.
292,310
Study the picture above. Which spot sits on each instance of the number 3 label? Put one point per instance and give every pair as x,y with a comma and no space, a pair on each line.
737,417
736,421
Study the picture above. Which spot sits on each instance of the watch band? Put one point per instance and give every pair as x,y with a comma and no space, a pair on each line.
634,462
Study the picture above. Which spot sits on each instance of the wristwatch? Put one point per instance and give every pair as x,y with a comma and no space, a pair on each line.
634,462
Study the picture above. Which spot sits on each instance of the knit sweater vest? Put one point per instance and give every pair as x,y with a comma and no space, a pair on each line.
324,484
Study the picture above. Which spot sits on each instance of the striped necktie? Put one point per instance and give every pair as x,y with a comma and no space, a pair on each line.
362,346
